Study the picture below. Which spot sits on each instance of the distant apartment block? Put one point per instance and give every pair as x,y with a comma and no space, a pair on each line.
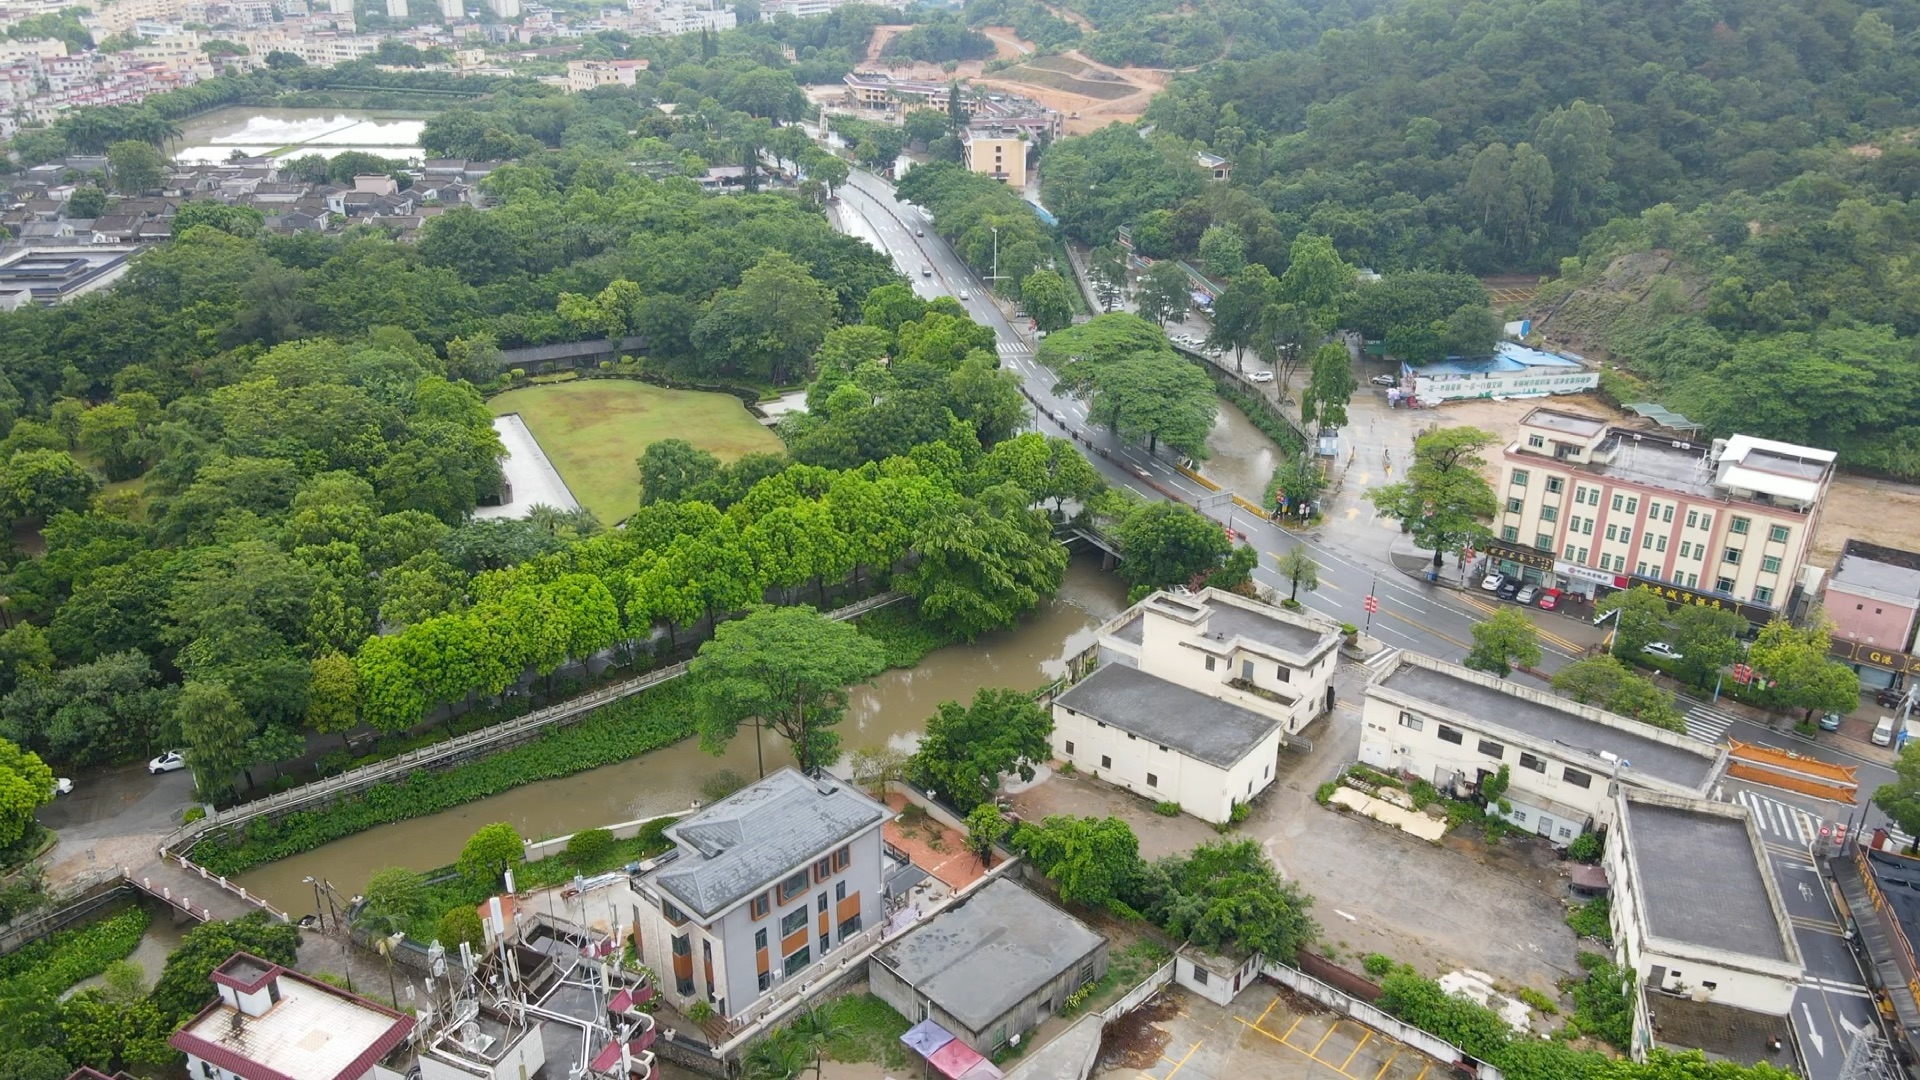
1455,727
585,75
452,11
998,153
760,887
1592,507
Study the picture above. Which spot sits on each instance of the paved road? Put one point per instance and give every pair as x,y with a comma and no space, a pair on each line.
1413,614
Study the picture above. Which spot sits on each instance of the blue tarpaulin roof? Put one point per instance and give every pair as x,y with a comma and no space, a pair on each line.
1510,356
926,1038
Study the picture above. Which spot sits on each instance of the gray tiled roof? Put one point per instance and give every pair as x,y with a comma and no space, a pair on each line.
759,834
1702,881
1169,714
984,957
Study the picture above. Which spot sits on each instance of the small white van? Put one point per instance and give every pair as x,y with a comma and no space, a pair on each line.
1883,732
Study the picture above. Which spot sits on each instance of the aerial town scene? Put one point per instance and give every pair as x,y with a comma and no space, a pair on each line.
1033,539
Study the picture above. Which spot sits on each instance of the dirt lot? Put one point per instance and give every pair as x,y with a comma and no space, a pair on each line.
1438,907
1106,93
1266,1032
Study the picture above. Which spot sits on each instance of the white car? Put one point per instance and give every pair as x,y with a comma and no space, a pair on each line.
168,762
965,295
1661,649
1494,581
1384,380
1260,376
62,786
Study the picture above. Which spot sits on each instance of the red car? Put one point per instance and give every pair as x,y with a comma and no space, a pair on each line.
1549,599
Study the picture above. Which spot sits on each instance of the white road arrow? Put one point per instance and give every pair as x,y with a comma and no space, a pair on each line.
1806,891
1819,1044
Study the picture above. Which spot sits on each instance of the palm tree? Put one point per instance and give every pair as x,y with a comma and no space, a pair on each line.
777,1058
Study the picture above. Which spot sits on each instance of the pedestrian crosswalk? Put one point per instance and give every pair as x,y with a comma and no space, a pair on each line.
1015,348
1778,821
1707,723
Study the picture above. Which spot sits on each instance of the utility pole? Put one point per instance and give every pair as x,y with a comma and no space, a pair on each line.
995,276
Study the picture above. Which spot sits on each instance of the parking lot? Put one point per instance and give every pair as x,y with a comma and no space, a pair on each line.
1265,1033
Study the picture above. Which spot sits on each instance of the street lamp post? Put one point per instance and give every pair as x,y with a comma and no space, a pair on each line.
995,230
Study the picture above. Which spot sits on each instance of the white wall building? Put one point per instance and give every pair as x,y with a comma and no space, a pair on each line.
1454,727
1696,914
271,1023
1199,693
1514,370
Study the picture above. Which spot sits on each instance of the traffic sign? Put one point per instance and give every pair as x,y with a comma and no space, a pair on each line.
1373,604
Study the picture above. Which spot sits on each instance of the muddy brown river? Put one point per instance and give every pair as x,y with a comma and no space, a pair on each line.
892,711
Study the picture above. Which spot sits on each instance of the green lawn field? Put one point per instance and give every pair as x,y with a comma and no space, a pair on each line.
593,431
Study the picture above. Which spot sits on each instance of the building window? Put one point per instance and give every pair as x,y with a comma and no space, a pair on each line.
799,960
1408,720
793,922
207,1070
1619,502
839,891
1543,541
1492,749
1762,594
1586,527
1554,484
1738,526
1209,663
760,938
1569,553
1069,747
1693,518
1577,778
682,946
1693,581
1642,568
1153,780
1686,550
1731,555
1706,519
1666,513
1536,441
1528,761
1199,975
1777,534
1519,815
1612,532
1106,762
1549,513
823,868
1451,735
1509,533
793,886
1282,674
1661,545
766,981
1633,506
1724,585
674,915
1565,832
849,928
1519,478
843,858
820,903
1514,506
824,944
759,907
1646,540
1769,564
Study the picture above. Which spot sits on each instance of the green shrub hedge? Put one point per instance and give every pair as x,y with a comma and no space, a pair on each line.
44,969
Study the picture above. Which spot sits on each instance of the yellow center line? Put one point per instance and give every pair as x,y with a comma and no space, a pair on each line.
1364,1036
1423,626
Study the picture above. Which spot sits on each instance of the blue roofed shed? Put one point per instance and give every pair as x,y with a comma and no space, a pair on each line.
1514,370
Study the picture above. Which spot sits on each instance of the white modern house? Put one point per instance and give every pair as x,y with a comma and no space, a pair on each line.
1197,695
1455,727
1698,919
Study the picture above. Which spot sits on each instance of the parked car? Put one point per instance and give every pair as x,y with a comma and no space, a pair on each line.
1890,698
1494,581
1526,594
1549,599
1660,649
1830,721
1883,731
1260,376
1508,589
1019,313
62,786
1384,380
167,762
